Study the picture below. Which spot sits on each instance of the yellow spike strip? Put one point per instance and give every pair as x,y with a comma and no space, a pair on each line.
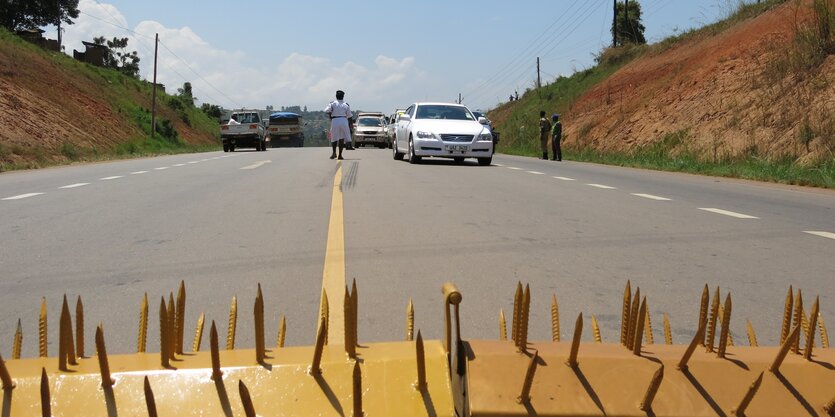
523,323
325,311
787,316
150,402
420,385
703,309
821,325
726,323
784,349
655,383
575,342
698,338
246,399
525,395
555,319
595,329
639,328
42,349
357,391
350,343
101,353
143,325
517,311
79,327
752,336
233,323
18,341
5,378
627,308
282,331
314,368
648,329
214,350
798,319
68,336
410,321
633,319
260,345
180,317
355,311
810,334
711,324
46,401
502,326
749,395
668,333
172,326
198,333
163,334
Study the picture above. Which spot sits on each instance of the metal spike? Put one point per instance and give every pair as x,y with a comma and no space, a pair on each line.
810,334
62,339
502,325
260,345
633,319
829,408
5,378
101,354
791,340
42,342
654,384
804,320
143,325
421,364
798,319
350,343
410,321
648,329
525,396
68,333
555,319
214,350
639,328
668,333
575,342
18,341
180,317
46,401
595,329
517,312
726,323
282,331
625,315
355,310
324,311
752,336
523,323
697,340
749,395
198,333
79,327
233,324
172,326
163,334
787,316
246,400
821,325
703,305
150,402
711,325
357,390
320,346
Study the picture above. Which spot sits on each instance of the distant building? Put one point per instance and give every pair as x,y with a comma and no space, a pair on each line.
36,36
93,54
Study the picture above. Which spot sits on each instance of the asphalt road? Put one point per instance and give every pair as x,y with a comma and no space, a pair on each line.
223,223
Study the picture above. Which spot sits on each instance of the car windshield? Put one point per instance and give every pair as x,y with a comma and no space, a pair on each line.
370,121
248,118
434,111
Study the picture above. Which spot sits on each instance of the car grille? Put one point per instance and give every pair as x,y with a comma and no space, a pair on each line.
457,138
370,132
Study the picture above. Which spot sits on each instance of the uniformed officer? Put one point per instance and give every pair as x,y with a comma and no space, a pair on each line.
544,133
556,137
340,113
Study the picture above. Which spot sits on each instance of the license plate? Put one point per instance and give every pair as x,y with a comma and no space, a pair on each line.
458,148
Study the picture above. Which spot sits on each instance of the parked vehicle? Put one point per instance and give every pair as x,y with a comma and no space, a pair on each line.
370,129
442,130
478,115
248,132
285,130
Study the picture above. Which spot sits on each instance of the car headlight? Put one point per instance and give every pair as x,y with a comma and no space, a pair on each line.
486,136
424,135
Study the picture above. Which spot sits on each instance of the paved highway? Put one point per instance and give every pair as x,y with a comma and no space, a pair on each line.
112,232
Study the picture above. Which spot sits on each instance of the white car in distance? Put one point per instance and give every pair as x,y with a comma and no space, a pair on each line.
442,130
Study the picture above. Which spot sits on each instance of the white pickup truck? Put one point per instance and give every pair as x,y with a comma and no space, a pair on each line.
245,131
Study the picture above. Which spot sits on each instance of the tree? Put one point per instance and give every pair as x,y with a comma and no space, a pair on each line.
28,14
185,93
629,27
212,110
117,56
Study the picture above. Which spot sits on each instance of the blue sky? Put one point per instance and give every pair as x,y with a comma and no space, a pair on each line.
383,54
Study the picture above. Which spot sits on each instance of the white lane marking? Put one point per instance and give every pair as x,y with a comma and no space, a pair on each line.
193,162
605,187
498,165
514,168
257,164
204,160
76,185
215,158
651,197
111,178
138,172
564,178
22,196
821,234
179,165
728,213
160,168
535,172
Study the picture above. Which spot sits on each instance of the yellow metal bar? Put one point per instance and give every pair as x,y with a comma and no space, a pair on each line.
143,325
668,333
172,326
798,319
726,324
18,341
526,313
333,274
639,328
350,343
810,335
79,327
633,319
420,359
282,331
655,383
410,321
233,324
711,324
626,313
214,351
198,333
517,313
163,334
180,317
688,353
648,330
824,334
101,354
703,309
315,368
791,340
258,312
42,331
787,316
555,319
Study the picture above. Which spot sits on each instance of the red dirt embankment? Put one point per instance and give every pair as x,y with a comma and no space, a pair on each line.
726,90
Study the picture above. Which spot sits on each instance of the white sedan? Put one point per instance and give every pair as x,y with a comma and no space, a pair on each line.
444,130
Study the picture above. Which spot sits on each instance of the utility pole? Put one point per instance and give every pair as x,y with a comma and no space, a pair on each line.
615,25
538,78
626,15
154,89
460,99
59,34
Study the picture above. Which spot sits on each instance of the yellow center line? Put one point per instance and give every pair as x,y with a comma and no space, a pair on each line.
333,277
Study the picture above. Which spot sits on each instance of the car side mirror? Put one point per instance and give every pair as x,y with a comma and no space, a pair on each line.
405,117
482,120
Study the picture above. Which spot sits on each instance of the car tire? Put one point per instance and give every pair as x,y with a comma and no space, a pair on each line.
485,161
225,147
413,159
398,156
231,148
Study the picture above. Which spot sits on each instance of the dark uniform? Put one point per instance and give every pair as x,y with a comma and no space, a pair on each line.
544,133
556,137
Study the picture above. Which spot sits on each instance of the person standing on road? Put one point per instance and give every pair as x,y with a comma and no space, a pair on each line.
339,112
556,136
544,133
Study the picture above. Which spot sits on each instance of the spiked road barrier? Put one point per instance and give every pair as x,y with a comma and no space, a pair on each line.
451,377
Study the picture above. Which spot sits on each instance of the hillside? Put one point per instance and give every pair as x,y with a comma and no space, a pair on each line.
56,110
751,88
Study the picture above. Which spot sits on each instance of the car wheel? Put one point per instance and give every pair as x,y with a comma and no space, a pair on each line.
225,147
398,156
413,159
458,160
485,161
231,148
